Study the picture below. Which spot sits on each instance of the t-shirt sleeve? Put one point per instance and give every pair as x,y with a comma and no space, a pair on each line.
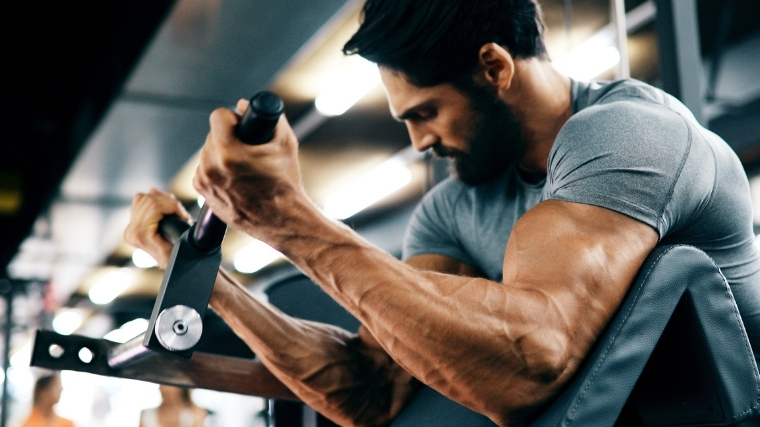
625,156
432,228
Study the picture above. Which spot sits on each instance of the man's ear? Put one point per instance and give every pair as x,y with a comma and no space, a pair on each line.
497,66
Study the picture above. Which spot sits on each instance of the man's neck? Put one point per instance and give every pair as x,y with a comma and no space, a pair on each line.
540,98
46,410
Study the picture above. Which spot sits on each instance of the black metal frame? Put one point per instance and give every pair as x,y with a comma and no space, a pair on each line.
201,370
188,281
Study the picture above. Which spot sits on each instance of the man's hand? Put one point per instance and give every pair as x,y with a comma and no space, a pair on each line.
147,211
248,186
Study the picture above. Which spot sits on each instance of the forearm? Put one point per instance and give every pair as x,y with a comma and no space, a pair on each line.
466,337
332,370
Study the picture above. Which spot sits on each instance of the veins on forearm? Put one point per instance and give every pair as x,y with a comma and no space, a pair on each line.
416,316
329,368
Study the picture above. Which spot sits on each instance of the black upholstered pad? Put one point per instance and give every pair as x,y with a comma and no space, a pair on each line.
603,384
430,408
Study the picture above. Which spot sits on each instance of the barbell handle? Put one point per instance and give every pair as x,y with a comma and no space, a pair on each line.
171,228
257,126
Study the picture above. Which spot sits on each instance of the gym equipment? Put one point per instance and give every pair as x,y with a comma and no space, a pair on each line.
176,321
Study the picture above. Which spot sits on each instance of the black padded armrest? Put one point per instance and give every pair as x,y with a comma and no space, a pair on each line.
603,384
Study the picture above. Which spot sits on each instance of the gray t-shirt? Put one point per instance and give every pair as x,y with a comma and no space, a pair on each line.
630,148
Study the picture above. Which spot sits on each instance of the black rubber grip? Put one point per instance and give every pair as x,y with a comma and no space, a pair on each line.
256,127
171,228
260,119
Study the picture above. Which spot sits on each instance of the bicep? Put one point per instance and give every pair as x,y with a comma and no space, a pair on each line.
581,259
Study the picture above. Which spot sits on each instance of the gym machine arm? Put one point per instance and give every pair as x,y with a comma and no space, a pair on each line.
164,354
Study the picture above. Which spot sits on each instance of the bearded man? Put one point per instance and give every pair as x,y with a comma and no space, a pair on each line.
512,267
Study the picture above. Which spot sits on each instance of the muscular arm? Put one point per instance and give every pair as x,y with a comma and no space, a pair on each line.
443,264
498,348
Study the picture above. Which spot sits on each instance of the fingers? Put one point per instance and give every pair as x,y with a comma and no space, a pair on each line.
147,211
222,122
238,179
168,204
242,106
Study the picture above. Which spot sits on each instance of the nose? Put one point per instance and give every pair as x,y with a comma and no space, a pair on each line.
422,138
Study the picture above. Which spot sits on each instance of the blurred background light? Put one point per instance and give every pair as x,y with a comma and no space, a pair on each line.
255,256
110,286
346,88
589,59
20,359
67,321
369,188
142,259
128,331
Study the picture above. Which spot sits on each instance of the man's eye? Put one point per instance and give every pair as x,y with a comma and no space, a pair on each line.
425,115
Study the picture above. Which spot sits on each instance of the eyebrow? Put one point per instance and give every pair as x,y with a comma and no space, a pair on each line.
406,115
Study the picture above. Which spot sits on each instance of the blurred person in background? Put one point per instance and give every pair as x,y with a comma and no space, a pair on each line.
47,392
176,410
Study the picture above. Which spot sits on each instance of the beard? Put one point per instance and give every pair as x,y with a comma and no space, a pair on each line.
494,142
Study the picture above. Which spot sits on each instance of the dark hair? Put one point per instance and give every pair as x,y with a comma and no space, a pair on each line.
42,384
437,41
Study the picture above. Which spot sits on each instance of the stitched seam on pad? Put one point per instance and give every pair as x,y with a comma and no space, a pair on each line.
606,350
751,355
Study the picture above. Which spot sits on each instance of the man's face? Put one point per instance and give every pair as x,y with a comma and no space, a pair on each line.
470,125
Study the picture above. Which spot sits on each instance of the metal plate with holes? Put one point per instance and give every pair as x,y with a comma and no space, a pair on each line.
179,328
203,370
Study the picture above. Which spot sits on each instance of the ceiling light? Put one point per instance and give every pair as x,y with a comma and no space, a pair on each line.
371,187
128,331
67,321
142,259
345,89
589,59
111,286
255,256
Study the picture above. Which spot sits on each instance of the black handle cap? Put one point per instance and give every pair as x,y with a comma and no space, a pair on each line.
259,121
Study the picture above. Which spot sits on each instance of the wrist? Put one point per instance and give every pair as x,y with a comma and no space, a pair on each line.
288,217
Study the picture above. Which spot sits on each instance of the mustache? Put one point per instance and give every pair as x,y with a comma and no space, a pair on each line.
440,151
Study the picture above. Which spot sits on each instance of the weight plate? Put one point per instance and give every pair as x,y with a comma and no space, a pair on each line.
178,328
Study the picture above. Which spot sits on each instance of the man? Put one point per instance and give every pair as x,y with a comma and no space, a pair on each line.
513,268
47,392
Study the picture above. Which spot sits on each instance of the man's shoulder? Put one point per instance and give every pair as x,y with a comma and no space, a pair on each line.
621,123
600,93
622,101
